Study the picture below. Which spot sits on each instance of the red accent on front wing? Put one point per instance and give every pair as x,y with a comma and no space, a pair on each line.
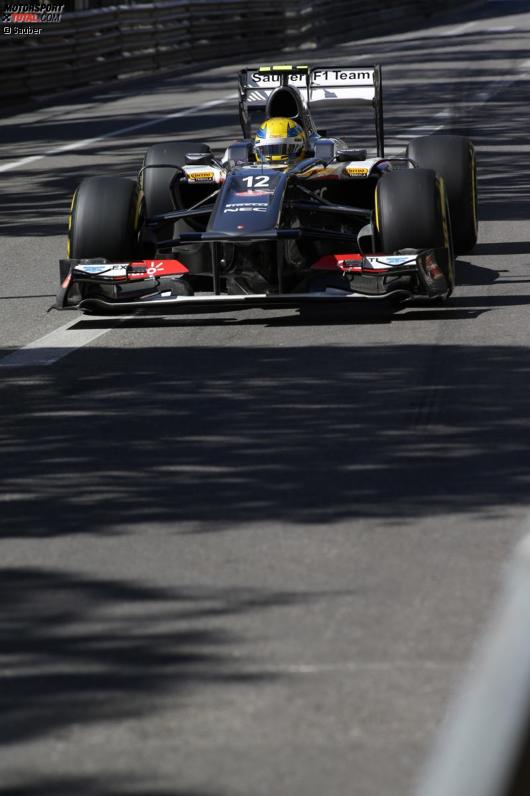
337,262
162,267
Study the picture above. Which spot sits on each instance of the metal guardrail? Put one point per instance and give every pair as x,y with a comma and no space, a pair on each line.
123,40
484,746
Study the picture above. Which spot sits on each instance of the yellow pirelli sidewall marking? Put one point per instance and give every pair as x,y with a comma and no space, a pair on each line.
443,207
71,209
138,209
68,236
377,207
445,229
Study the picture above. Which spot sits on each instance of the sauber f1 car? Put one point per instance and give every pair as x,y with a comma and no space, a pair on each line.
287,216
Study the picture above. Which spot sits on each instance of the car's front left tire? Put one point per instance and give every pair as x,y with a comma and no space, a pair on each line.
411,212
453,158
102,220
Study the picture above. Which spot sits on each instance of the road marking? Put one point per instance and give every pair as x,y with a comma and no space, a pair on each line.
344,667
53,346
15,164
481,98
459,29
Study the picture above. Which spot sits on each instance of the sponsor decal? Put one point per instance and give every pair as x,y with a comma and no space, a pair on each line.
29,14
319,78
391,260
142,269
356,171
252,193
322,77
94,269
244,209
157,268
264,79
200,176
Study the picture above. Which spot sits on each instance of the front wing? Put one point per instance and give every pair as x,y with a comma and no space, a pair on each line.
147,287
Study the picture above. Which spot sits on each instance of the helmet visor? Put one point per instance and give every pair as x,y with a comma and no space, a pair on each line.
278,151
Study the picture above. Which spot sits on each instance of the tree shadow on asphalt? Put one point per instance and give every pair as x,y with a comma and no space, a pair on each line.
503,183
78,649
204,438
106,785
36,202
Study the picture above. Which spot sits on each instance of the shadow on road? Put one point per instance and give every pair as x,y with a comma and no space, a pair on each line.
79,649
86,786
208,437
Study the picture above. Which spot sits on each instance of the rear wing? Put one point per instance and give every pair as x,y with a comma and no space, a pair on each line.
317,84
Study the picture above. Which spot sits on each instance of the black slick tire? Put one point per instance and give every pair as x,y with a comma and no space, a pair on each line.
453,158
102,219
412,213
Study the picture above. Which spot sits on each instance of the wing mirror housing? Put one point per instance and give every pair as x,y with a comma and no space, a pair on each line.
346,155
198,158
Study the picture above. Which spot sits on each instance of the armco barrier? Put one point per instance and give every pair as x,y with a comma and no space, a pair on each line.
123,40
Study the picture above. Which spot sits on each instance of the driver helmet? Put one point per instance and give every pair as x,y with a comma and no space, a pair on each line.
280,141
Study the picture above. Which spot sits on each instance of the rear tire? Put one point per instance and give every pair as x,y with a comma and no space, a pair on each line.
102,219
453,158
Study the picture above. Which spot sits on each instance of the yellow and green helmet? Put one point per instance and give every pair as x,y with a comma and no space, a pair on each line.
280,141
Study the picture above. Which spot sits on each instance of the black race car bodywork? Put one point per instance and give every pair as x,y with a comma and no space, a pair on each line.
195,231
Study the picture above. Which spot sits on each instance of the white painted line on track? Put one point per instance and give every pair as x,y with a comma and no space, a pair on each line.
459,29
53,346
479,99
340,667
15,164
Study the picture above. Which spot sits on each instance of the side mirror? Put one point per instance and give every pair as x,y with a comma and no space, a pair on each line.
350,154
198,158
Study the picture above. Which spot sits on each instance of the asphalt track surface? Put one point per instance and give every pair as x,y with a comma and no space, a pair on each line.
251,554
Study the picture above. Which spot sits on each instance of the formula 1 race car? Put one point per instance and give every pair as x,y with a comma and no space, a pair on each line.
284,218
